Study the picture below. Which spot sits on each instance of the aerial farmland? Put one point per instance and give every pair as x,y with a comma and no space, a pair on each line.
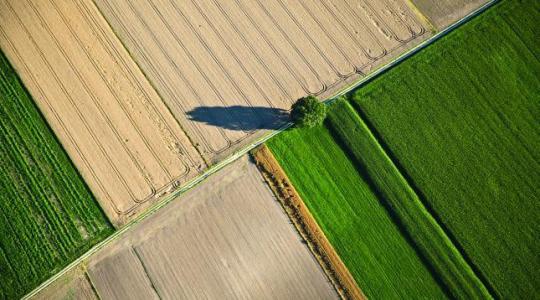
279,149
444,135
227,238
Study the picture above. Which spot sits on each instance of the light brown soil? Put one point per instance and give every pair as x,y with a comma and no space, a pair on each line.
442,13
301,217
72,285
122,276
228,68
225,239
124,141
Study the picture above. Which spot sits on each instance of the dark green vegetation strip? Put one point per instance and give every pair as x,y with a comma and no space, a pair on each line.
48,217
460,119
353,218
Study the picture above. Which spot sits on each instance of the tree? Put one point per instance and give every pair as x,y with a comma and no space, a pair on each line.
308,112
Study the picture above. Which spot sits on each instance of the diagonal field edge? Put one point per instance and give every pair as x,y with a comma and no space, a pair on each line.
213,169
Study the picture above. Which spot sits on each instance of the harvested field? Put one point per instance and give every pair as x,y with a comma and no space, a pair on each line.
227,238
442,13
228,68
48,216
127,145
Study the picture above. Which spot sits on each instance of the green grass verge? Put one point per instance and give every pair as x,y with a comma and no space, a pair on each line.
353,218
48,217
460,119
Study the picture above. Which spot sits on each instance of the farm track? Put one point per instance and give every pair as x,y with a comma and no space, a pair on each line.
123,139
216,62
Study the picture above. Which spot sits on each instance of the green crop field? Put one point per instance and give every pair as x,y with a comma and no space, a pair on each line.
48,217
403,203
461,118
387,239
354,220
446,143
350,213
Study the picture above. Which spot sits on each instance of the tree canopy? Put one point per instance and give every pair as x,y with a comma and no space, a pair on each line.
308,112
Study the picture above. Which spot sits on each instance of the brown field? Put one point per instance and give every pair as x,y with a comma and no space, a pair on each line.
72,285
226,238
442,13
120,135
228,68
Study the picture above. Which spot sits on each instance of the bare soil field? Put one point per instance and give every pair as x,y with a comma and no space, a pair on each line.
442,13
228,68
227,238
72,285
121,136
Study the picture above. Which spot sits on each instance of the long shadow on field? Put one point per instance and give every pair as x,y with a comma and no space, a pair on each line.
242,118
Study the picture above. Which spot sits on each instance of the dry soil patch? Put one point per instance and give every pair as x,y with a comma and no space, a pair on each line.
442,13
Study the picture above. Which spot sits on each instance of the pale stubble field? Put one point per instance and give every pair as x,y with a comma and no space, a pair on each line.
442,13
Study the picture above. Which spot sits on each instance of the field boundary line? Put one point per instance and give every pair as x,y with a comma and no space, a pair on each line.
216,167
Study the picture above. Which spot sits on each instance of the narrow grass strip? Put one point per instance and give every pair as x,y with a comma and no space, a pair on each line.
427,236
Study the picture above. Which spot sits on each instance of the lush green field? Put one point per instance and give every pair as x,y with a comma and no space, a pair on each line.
403,203
48,217
461,119
354,219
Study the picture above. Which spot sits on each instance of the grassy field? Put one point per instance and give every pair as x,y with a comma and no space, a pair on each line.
460,119
357,224
47,215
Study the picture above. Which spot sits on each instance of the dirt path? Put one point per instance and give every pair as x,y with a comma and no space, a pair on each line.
304,222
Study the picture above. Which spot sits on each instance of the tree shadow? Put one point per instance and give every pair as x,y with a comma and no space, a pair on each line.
241,118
